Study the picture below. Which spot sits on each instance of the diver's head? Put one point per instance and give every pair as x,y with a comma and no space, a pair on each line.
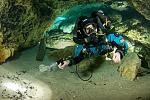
89,29
88,26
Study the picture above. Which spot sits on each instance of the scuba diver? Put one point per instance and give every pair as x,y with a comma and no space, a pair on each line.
85,34
112,41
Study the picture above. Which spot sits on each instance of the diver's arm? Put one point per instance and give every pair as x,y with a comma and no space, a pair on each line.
75,60
121,49
70,62
120,52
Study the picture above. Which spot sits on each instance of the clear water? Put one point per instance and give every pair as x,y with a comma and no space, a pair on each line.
51,67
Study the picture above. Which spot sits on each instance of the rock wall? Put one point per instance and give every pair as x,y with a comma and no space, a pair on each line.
20,26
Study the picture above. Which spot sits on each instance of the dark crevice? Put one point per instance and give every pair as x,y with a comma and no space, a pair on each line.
144,63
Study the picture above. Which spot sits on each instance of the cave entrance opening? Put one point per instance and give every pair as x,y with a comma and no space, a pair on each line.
66,21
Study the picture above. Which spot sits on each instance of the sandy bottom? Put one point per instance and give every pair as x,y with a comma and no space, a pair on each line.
20,79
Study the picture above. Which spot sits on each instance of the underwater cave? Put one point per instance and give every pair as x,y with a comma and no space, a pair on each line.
37,35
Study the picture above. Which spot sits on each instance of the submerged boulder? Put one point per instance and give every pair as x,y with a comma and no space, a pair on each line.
130,66
120,5
5,53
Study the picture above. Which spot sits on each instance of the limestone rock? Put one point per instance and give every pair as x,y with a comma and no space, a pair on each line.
130,66
5,53
119,5
143,7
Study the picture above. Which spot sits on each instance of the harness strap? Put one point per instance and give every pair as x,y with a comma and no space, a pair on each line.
107,21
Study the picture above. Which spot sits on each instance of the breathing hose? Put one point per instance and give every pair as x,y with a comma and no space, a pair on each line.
77,71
